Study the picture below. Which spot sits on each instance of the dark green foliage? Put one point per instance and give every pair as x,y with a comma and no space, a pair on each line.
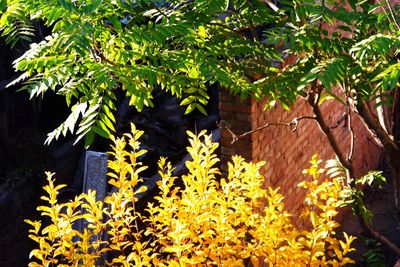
374,257
15,25
98,47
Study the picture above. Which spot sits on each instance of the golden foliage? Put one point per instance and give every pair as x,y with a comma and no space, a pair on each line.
206,222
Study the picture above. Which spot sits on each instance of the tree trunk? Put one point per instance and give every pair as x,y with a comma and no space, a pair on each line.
394,162
348,164
386,141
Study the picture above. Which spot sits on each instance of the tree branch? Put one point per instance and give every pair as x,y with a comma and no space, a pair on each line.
377,236
350,154
293,123
343,118
98,54
379,134
352,138
328,133
347,163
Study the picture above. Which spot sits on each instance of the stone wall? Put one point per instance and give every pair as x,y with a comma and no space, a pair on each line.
286,152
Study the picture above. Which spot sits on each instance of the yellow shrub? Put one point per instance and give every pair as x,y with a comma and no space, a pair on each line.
206,222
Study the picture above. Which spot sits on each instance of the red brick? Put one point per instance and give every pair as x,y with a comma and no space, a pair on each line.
226,141
287,153
227,116
226,98
243,117
234,108
245,101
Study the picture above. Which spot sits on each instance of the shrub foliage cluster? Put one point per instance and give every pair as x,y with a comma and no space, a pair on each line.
230,221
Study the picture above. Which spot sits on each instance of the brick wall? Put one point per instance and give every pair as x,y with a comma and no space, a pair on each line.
287,153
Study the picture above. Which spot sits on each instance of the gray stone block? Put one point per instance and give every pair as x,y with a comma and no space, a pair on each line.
95,173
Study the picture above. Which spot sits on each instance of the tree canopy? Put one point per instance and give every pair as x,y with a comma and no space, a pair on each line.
99,47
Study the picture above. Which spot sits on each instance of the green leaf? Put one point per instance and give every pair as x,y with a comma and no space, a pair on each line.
201,108
108,113
3,6
115,21
69,124
101,129
188,100
94,4
190,108
285,106
107,122
307,79
372,177
89,138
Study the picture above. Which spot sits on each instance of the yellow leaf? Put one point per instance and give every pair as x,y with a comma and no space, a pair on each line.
314,219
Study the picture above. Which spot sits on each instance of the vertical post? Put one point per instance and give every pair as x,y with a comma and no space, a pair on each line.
95,178
95,173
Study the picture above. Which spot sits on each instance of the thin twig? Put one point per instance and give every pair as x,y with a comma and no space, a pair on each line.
382,118
350,154
323,11
225,125
102,57
343,118
93,51
235,137
352,135
262,127
392,14
253,31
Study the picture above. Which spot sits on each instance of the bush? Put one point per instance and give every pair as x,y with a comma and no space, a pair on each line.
230,221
